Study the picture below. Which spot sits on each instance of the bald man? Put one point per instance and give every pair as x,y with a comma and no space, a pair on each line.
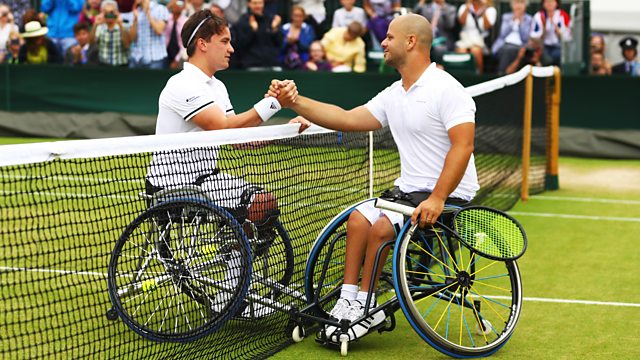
432,120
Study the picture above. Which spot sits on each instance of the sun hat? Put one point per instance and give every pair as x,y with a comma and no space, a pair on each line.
34,29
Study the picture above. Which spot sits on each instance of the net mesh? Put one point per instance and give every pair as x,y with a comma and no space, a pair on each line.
61,219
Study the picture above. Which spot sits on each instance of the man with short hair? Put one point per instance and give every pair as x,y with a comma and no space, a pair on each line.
195,100
630,66
345,49
109,33
432,120
83,53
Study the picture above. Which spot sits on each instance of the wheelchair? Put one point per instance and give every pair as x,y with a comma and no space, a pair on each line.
459,302
185,266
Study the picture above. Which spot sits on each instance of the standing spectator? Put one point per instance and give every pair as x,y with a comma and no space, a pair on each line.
38,49
61,16
442,17
110,35
82,53
176,54
259,38
553,26
18,8
380,15
317,58
6,27
11,56
348,13
89,12
297,35
345,49
148,49
233,9
630,66
217,11
194,6
514,34
476,17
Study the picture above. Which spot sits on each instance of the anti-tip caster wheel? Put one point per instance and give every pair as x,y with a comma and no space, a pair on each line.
344,347
487,328
298,333
112,314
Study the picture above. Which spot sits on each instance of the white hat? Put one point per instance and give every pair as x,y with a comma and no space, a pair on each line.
34,29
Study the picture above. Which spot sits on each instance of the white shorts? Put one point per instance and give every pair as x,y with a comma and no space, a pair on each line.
225,190
372,214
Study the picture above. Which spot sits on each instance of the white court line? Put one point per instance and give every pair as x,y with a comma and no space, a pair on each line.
532,299
573,216
581,199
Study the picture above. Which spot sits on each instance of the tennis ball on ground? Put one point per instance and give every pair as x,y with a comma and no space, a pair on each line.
149,285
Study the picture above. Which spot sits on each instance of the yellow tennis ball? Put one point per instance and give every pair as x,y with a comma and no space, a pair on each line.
149,285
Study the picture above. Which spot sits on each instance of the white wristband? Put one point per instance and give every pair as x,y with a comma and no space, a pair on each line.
267,107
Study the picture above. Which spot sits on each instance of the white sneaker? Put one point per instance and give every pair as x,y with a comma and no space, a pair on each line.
355,311
341,309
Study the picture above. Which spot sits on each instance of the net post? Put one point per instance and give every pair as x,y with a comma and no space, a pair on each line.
526,135
370,164
553,133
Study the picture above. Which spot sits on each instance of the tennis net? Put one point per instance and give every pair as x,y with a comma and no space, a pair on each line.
65,205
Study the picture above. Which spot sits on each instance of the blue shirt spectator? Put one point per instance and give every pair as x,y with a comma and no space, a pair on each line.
148,49
514,34
62,16
298,36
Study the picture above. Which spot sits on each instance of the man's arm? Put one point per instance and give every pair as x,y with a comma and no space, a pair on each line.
212,118
334,117
455,164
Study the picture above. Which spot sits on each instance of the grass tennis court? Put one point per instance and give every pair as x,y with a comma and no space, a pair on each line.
582,247
574,262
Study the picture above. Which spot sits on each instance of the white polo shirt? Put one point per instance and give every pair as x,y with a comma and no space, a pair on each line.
185,95
419,120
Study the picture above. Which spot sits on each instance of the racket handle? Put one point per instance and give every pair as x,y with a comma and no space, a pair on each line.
395,207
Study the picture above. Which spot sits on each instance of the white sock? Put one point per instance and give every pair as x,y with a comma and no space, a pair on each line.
349,292
362,298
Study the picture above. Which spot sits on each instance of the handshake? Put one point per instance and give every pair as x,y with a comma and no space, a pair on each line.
285,91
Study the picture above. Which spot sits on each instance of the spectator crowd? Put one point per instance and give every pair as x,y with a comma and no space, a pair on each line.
146,33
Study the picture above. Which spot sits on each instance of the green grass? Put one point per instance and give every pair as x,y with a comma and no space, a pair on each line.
578,259
573,259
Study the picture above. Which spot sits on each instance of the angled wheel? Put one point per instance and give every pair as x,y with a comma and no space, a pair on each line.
461,304
179,270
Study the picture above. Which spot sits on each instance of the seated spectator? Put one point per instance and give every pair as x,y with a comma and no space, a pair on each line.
14,42
630,66
38,49
345,49
514,34
61,16
380,15
598,66
528,55
476,17
89,12
148,49
259,38
32,15
110,35
553,26
348,13
297,35
317,58
82,53
194,6
442,17
6,27
176,54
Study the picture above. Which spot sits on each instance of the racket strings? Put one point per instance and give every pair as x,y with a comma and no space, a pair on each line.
490,233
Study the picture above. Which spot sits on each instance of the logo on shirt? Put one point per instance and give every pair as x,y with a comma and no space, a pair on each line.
193,98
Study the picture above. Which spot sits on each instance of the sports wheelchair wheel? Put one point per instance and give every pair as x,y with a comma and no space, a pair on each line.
272,270
461,304
325,265
179,270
